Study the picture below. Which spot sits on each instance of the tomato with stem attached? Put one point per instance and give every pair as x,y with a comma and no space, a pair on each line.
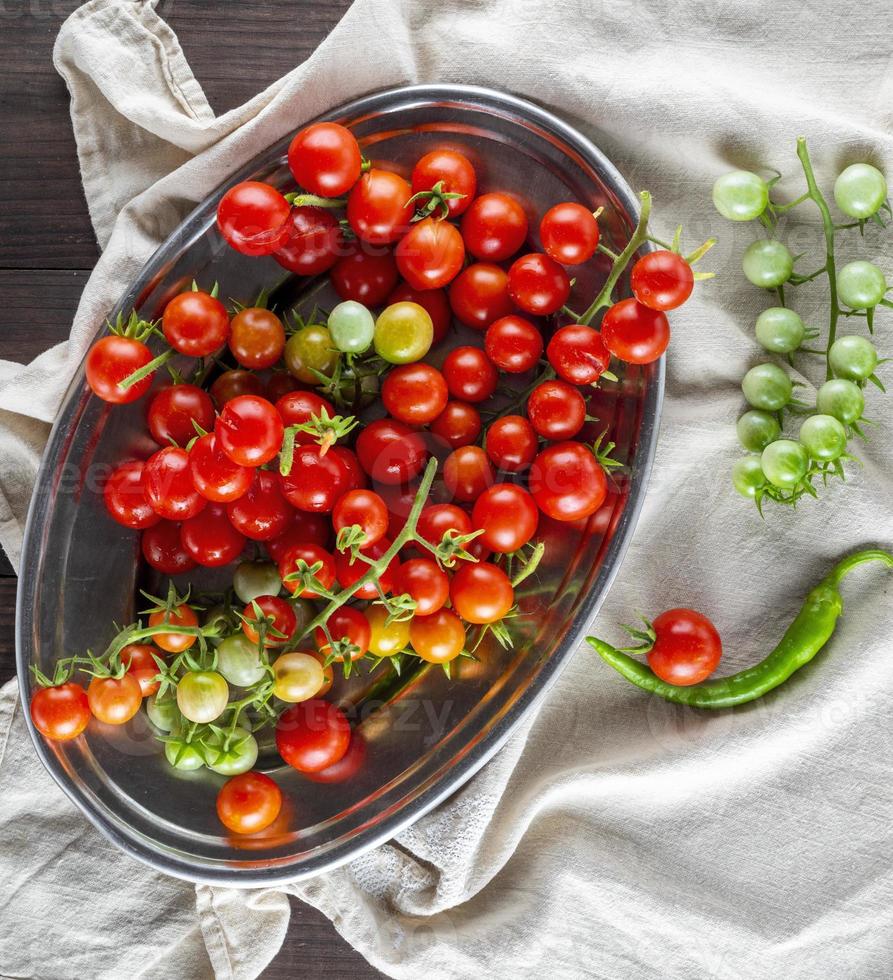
469,374
740,195
60,713
861,285
686,649
569,233
538,284
438,638
785,463
431,254
306,555
767,387
824,437
662,280
364,509
480,295
125,497
467,473
390,452
451,173
195,323
273,615
299,408
508,516
386,638
511,443
578,354
176,410
767,263
481,593
854,358
494,227
214,475
262,512
325,159
304,528
249,430
567,482
459,424
113,359
366,277
169,486
779,330
423,580
114,700
139,661
748,477
860,190
163,550
841,398
378,208
313,242
211,538
252,217
316,480
756,429
202,696
309,353
181,615
349,631
513,344
635,333
556,410
312,735
257,338
436,520
414,393
350,570
248,803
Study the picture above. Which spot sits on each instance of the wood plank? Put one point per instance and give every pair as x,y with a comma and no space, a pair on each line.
37,310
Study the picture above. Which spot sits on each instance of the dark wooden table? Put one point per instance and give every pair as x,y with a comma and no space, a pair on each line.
47,248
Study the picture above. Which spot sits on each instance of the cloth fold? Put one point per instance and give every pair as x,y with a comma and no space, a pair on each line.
614,835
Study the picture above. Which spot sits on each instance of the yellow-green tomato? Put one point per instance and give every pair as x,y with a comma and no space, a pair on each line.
256,578
202,695
297,677
182,755
308,351
386,638
163,714
404,333
238,659
231,755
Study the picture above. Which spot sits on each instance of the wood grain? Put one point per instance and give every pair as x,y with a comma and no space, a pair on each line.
47,246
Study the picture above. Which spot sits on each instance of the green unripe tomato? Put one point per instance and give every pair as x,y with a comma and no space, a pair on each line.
861,285
404,333
239,758
756,429
182,755
853,357
767,263
740,195
310,350
202,695
164,715
841,398
785,463
256,578
824,437
780,330
860,190
352,327
748,476
238,660
767,387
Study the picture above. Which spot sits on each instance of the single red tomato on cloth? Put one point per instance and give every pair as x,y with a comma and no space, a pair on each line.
687,647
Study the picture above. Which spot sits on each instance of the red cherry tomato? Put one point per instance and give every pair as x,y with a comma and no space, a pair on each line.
210,537
431,254
569,233
248,803
139,661
662,280
513,344
262,512
282,625
467,473
390,452
635,333
567,482
303,528
325,159
366,510
398,500
578,354
687,648
348,572
173,411
110,361
481,593
453,172
299,407
378,208
280,384
459,424
347,766
253,218
436,519
169,487
114,700
313,243
312,735
470,375
538,284
257,338
316,480
163,550
424,581
214,475
356,477
125,497
348,625
232,384
367,277
480,295
195,323
433,301
311,555
556,410
60,713
494,227
511,443
414,393
249,430
508,515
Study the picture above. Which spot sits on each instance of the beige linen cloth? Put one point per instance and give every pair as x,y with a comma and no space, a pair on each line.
614,836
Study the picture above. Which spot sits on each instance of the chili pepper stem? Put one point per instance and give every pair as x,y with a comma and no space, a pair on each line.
846,565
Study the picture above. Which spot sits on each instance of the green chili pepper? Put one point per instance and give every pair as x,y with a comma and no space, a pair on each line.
809,632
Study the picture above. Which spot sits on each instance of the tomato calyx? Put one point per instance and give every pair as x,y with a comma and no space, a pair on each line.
452,547
645,638
306,579
434,199
299,199
326,430
134,327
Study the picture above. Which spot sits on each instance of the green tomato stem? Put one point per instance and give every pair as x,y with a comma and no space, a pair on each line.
146,370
